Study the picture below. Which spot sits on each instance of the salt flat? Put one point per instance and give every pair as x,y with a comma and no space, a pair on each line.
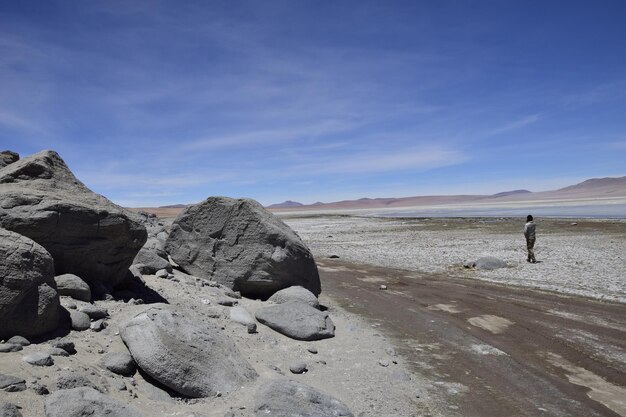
588,258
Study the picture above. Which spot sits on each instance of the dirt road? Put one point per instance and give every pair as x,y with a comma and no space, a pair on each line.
493,350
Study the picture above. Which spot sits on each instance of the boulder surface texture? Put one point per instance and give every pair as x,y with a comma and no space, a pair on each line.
191,360
239,244
8,157
29,303
85,233
284,398
85,401
297,320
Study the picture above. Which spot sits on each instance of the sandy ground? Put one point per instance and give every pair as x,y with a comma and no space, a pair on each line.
587,259
359,365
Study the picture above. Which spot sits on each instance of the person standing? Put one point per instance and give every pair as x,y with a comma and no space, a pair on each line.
529,234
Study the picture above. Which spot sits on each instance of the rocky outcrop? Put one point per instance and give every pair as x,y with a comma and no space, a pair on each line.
284,398
238,243
177,352
84,401
297,320
29,303
85,233
8,157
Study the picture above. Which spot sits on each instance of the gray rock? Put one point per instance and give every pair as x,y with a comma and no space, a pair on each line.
73,286
84,401
295,293
162,273
284,398
98,325
10,383
64,344
40,198
71,379
94,312
242,246
40,389
298,368
19,340
312,349
10,347
151,262
118,384
8,157
39,359
121,363
489,263
191,360
297,320
29,303
9,410
80,320
58,352
227,302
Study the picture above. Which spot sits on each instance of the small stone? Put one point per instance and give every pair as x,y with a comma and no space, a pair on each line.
334,256
384,363
162,273
39,359
80,320
66,345
19,340
98,325
312,349
58,352
391,352
383,287
298,368
94,312
121,363
251,328
10,347
226,302
71,305
40,389
69,380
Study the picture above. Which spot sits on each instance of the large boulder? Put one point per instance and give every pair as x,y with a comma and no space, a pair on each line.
297,320
489,262
8,157
284,398
85,233
192,360
29,303
238,243
85,401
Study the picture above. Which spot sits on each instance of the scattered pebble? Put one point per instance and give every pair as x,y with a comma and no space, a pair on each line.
298,368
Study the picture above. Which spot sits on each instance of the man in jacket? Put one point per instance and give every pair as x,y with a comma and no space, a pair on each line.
529,234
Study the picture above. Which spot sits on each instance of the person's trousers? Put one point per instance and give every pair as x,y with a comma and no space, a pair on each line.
530,245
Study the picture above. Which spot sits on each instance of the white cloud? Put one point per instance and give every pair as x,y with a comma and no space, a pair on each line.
515,125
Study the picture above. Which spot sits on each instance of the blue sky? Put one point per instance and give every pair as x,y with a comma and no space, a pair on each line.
153,103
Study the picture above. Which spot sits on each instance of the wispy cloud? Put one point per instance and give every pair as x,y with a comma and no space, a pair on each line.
514,125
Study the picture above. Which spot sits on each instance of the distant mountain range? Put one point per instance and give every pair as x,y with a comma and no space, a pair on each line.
589,189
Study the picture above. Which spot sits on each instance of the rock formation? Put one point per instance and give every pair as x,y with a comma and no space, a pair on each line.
85,233
238,243
29,303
